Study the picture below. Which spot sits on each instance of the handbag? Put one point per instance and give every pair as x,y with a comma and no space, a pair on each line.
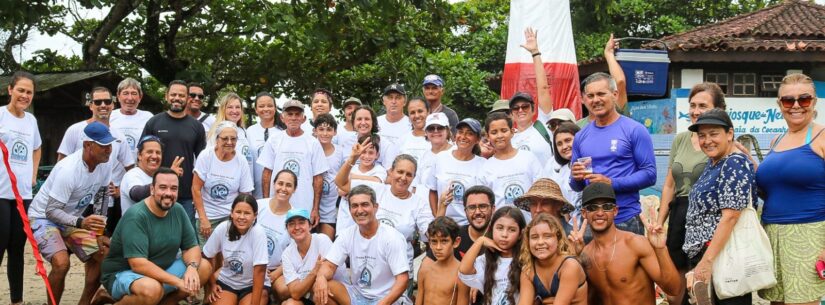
745,264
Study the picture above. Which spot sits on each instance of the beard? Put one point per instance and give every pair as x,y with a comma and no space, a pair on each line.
480,228
160,203
173,106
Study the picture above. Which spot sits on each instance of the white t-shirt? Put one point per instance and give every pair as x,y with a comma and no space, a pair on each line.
461,174
510,178
222,181
561,175
405,215
414,146
377,171
277,237
329,192
121,156
303,155
543,117
345,138
307,127
131,127
257,136
134,177
245,149
532,141
476,280
374,262
394,131
239,256
207,123
70,182
296,267
22,138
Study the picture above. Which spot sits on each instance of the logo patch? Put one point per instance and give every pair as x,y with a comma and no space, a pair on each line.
235,266
131,141
219,191
458,192
19,151
293,165
85,201
511,192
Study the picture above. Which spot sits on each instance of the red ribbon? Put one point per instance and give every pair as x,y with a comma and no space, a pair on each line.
26,226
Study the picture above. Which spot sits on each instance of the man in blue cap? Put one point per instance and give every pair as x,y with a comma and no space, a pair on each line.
76,183
433,91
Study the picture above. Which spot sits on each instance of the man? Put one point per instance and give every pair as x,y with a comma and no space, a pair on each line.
616,72
128,121
320,103
433,91
78,181
530,135
196,98
182,136
545,197
142,265
478,207
299,152
377,256
346,136
620,150
622,266
394,125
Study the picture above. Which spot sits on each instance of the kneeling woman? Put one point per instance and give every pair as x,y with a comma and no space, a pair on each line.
550,271
239,246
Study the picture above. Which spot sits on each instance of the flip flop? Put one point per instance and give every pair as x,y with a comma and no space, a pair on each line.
701,293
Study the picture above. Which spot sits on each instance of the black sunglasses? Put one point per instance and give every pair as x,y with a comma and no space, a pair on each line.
198,96
804,100
607,207
102,101
435,128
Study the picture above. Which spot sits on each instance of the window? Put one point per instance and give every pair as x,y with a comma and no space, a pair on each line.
744,84
720,79
770,83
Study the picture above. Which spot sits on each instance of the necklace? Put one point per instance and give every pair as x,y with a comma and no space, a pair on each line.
613,252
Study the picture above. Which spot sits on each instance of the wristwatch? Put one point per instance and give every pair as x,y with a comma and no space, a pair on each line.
193,264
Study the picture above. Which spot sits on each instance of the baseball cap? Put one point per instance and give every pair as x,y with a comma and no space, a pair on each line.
712,117
520,96
471,123
396,88
293,104
352,100
597,190
543,188
292,213
98,133
437,118
563,114
500,105
433,79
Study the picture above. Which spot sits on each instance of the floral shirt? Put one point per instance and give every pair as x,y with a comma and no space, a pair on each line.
725,185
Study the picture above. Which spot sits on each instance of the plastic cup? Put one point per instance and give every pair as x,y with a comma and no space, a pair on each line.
587,162
101,230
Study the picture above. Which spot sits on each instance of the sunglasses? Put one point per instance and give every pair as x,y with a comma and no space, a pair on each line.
804,100
197,96
436,128
102,101
607,207
523,107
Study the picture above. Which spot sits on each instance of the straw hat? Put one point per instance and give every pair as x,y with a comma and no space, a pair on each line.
543,188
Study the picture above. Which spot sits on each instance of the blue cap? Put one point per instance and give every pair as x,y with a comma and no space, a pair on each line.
433,79
297,213
472,123
98,133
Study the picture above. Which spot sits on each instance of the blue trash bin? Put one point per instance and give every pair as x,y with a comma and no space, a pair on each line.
645,71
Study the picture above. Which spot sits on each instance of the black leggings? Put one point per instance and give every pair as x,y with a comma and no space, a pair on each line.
13,241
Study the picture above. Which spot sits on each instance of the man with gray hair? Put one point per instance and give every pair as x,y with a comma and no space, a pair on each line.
615,150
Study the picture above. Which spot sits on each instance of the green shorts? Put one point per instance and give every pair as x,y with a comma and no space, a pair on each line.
796,248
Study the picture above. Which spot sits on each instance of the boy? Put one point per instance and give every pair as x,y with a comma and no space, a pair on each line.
433,286
325,129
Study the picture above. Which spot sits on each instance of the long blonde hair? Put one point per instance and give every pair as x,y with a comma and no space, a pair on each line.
564,248
220,115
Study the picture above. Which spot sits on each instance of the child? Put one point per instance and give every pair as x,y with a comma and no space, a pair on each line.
434,287
325,129
367,169
496,274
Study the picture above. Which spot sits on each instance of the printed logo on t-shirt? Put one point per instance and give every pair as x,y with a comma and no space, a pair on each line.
19,151
365,278
293,165
614,145
84,201
131,141
219,191
458,191
235,265
260,149
387,221
524,147
325,188
511,192
270,245
245,152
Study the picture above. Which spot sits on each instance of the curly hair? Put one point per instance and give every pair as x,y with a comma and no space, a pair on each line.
492,257
564,247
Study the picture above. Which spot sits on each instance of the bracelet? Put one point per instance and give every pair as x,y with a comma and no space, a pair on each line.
536,54
193,264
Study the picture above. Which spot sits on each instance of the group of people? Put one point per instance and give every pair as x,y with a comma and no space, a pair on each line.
530,206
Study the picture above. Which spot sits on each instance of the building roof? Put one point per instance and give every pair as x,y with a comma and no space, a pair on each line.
790,26
47,81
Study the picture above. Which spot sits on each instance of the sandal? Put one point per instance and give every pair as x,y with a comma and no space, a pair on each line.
700,294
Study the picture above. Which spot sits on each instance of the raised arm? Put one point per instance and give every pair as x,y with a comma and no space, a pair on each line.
342,179
616,72
542,89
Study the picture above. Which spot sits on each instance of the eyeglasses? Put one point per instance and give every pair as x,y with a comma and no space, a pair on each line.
436,128
523,107
607,207
197,96
228,139
483,207
804,100
102,101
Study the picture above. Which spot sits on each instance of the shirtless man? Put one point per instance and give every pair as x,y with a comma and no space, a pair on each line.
621,266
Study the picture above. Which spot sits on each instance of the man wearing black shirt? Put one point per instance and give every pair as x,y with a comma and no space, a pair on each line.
182,136
478,206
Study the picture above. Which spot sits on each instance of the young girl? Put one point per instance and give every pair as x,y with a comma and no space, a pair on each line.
240,247
272,214
496,274
558,169
550,270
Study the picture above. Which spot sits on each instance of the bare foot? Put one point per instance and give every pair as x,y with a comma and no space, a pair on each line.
102,297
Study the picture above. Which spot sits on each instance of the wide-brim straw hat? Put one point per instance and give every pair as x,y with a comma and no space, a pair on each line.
543,188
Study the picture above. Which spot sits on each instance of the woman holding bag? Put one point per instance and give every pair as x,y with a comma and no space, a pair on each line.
792,177
724,189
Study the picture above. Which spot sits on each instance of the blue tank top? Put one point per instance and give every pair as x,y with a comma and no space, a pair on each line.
794,183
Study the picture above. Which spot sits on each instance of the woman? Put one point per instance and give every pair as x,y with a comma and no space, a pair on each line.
686,163
231,109
20,136
268,124
136,182
550,270
438,135
509,172
398,207
456,170
320,103
241,247
366,123
415,144
792,177
272,214
715,201
560,167
496,273
220,174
